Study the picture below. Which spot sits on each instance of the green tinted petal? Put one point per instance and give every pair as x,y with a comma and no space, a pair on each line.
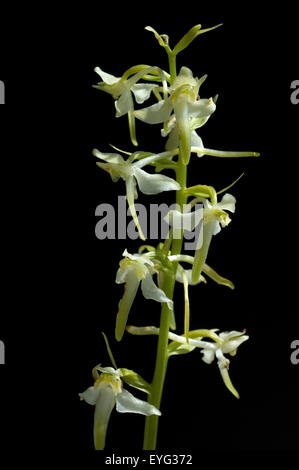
104,405
125,304
227,381
202,253
216,277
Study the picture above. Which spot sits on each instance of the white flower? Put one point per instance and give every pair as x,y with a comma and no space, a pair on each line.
186,104
215,217
121,88
224,343
133,270
227,343
104,394
131,173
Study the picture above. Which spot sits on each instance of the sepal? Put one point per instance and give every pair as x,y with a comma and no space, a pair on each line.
135,380
190,36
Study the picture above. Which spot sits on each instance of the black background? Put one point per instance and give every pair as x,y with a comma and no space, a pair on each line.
58,279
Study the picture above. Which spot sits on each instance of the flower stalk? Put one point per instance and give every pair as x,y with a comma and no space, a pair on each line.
180,111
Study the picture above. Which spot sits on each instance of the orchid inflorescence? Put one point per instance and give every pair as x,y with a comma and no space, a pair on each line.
180,111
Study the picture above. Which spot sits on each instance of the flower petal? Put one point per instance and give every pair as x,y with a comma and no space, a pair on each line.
90,395
141,258
125,304
196,141
106,77
227,335
186,220
154,184
158,112
202,253
124,103
142,91
151,291
123,271
228,203
114,158
127,403
232,345
216,277
208,355
104,405
201,108
227,381
110,370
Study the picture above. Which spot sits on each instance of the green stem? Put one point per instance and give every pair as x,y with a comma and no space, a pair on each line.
151,422
172,65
